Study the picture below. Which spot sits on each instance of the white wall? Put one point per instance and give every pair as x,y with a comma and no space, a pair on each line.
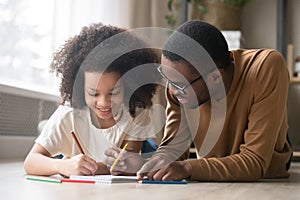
259,24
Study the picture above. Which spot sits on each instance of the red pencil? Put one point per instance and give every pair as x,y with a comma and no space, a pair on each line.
77,142
66,180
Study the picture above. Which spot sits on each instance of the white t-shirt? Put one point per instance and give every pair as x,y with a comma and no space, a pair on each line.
57,139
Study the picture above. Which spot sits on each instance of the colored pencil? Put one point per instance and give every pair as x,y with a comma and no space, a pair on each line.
42,179
77,142
162,182
66,180
117,159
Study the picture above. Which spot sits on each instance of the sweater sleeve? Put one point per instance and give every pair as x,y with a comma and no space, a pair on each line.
177,138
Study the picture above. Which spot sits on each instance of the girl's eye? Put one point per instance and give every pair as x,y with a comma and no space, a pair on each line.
93,94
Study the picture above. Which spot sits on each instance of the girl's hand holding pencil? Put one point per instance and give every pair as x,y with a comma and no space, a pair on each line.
117,159
123,162
80,164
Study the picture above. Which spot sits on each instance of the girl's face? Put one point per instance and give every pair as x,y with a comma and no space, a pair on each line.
102,94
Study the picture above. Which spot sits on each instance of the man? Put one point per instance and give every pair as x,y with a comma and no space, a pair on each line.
240,133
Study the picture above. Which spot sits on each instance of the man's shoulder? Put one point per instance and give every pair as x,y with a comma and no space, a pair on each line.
258,64
256,52
254,59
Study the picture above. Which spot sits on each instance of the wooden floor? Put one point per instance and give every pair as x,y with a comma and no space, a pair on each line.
13,186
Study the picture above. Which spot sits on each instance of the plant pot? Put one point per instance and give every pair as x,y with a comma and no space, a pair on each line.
222,15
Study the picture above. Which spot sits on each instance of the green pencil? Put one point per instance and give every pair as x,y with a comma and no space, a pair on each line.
43,179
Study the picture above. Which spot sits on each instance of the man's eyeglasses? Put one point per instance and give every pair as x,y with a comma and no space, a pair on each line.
181,89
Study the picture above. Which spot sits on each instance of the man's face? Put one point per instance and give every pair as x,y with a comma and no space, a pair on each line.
189,89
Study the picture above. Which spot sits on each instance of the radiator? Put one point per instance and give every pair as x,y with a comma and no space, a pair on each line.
21,110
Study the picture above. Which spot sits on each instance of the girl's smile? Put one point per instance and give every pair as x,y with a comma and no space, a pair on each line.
103,92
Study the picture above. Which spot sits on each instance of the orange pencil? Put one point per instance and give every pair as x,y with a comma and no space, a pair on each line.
77,142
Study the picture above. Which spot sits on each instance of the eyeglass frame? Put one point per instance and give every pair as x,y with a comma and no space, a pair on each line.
174,85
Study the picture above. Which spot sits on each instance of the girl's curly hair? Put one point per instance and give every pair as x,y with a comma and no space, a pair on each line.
105,48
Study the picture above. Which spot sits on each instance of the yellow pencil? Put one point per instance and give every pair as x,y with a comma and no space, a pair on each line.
117,159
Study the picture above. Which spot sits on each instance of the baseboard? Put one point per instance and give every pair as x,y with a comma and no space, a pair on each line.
15,146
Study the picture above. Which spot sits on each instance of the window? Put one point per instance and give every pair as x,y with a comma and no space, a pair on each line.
31,30
25,37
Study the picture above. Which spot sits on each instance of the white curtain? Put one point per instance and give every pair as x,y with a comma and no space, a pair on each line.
33,30
71,15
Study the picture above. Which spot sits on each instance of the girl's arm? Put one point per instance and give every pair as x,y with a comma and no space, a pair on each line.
40,162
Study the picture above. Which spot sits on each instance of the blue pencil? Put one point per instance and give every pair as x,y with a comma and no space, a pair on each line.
162,182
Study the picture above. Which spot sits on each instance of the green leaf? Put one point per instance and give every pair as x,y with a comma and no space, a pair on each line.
202,9
170,20
170,2
237,2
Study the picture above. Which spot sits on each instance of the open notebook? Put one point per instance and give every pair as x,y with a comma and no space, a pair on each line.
106,178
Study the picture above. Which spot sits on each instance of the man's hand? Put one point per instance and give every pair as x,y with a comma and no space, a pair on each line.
129,162
159,169
78,165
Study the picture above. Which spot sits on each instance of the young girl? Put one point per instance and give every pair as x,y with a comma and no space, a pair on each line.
97,104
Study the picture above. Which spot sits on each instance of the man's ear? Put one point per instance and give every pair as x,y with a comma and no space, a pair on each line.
214,77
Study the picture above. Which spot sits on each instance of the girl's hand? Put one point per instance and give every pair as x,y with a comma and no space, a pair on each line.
128,164
78,165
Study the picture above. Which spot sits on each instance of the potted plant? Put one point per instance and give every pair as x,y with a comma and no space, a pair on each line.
224,14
